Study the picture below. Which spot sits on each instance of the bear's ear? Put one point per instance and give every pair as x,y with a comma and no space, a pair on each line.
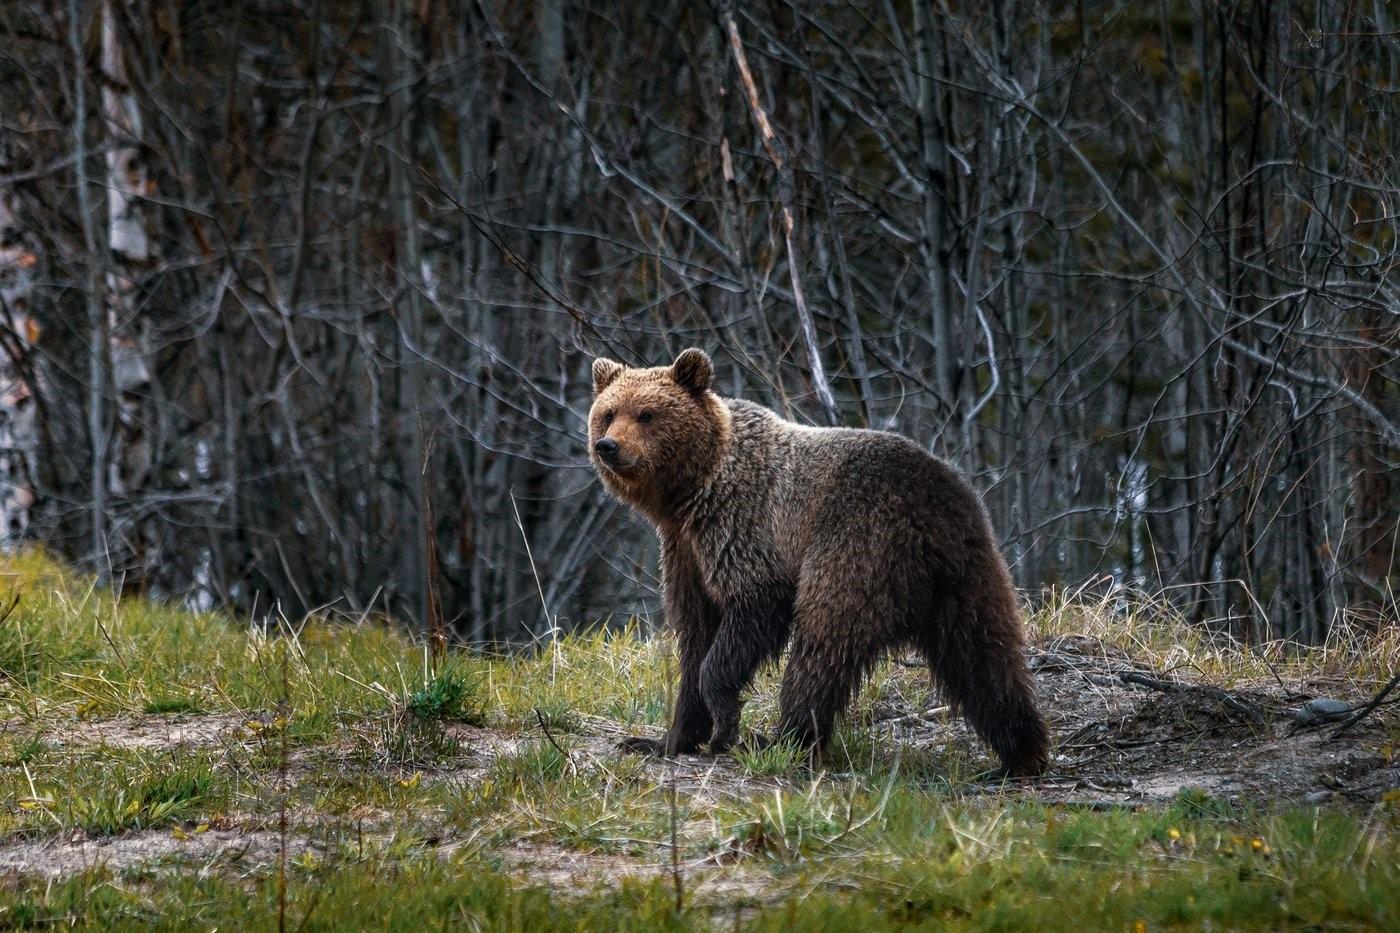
692,370
604,372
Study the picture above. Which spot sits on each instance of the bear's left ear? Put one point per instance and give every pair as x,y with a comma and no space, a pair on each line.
692,370
604,372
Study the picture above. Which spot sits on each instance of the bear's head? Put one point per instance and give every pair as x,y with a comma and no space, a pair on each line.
655,435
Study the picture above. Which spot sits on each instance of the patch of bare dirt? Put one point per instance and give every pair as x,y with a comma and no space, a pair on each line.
1128,735
57,858
1122,734
154,731
567,870
563,870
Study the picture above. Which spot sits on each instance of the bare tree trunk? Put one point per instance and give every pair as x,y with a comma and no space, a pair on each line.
933,239
787,197
98,376
414,550
18,332
1376,521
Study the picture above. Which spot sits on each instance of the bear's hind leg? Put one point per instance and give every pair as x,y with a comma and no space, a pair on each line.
975,651
833,648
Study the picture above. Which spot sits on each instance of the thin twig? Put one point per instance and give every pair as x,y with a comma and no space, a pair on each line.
1366,710
437,622
675,847
530,555
539,717
677,881
284,713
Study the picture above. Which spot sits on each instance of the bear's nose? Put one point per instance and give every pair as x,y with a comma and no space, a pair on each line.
606,448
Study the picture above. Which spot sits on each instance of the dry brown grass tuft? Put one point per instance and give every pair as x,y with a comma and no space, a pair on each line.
1150,629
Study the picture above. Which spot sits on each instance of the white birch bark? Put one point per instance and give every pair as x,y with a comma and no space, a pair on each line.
18,434
128,249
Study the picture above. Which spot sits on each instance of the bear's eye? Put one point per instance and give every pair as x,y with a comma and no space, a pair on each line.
608,417
644,417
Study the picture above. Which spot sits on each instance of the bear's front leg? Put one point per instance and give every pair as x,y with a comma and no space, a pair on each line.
694,619
753,630
691,724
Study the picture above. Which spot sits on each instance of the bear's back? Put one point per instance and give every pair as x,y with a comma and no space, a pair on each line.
800,484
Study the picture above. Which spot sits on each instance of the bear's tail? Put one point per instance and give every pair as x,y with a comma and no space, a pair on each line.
976,651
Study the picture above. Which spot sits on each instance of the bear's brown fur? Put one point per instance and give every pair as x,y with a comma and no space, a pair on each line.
848,543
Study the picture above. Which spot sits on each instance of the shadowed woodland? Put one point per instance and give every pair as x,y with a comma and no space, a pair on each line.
299,299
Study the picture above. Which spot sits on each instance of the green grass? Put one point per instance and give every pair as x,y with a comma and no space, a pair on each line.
1012,868
762,758
69,648
447,694
404,820
139,801
103,791
168,705
421,893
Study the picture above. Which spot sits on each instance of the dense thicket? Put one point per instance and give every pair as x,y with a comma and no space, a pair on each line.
300,298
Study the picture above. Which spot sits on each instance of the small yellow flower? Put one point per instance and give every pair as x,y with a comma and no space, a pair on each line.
201,828
253,725
1259,845
1140,926
1173,834
410,783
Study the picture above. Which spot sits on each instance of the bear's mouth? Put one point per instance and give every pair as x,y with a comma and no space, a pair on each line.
615,468
620,469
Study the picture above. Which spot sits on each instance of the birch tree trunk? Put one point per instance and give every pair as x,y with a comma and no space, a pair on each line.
18,333
119,415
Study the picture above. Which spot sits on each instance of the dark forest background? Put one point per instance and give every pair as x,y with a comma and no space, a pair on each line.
299,299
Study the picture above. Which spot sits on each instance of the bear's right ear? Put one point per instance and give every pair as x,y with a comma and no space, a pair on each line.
604,372
693,370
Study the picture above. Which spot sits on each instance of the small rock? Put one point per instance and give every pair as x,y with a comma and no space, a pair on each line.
1320,710
1318,796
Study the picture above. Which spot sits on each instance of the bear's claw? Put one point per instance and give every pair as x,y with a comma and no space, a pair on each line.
640,745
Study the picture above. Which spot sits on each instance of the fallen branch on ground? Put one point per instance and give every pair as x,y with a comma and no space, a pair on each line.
1370,707
1235,704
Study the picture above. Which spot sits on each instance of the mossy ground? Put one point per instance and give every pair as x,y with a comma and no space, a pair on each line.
172,769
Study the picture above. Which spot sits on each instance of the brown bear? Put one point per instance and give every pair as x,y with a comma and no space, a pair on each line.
847,543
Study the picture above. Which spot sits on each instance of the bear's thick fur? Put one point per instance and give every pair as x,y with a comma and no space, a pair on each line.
846,543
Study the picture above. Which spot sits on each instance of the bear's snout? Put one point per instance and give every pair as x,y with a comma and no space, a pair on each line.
606,448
